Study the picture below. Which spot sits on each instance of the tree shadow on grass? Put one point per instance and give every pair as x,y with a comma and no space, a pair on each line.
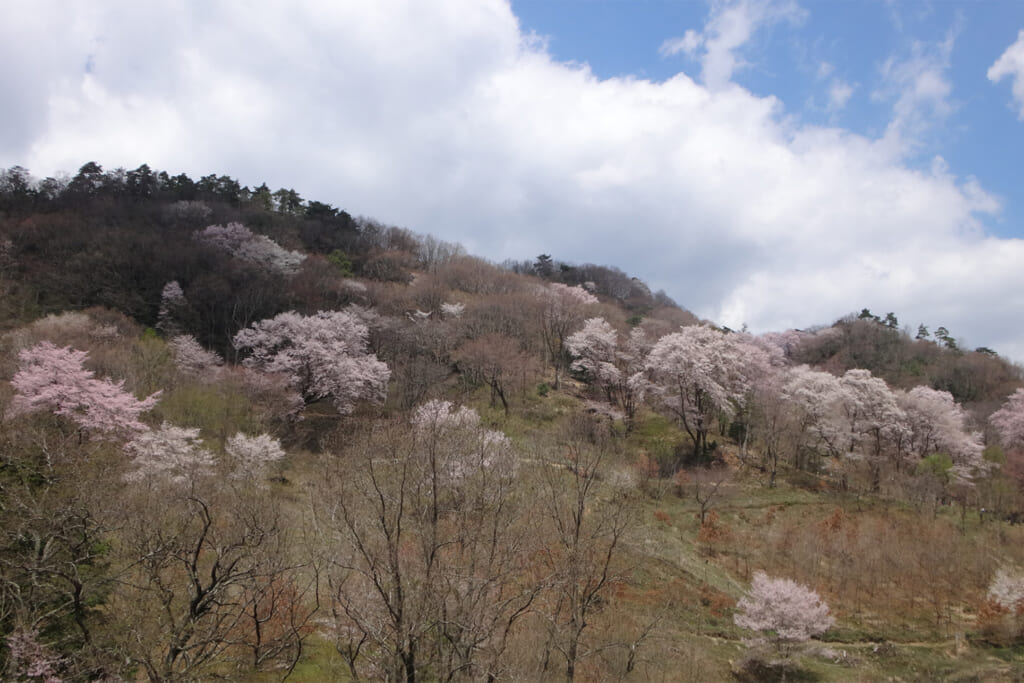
757,670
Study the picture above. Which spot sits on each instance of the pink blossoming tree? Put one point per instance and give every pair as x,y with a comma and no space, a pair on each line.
31,660
453,443
1007,589
172,305
55,379
817,402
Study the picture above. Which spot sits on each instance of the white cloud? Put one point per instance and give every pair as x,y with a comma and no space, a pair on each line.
688,44
839,93
1011,64
919,88
445,118
730,26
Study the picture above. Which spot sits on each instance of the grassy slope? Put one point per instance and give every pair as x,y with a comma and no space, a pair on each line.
689,588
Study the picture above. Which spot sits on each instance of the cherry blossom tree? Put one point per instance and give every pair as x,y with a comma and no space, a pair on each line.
253,454
787,611
1001,617
30,659
242,243
876,420
936,423
817,400
455,443
193,360
618,370
1009,420
324,355
632,359
423,547
172,304
55,379
452,310
170,452
1007,589
698,373
561,310
595,348
787,343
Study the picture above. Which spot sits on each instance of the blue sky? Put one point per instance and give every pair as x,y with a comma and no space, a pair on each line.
775,163
846,42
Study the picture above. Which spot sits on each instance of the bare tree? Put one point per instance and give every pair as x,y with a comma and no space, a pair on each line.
424,549
705,485
497,361
198,571
586,521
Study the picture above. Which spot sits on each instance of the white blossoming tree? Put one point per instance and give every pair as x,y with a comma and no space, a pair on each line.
786,611
243,244
172,453
324,355
252,455
1009,420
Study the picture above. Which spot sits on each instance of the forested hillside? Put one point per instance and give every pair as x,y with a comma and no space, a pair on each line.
245,435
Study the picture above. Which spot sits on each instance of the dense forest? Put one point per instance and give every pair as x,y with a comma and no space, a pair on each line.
246,435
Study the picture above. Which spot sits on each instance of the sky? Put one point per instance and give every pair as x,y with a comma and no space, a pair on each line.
769,163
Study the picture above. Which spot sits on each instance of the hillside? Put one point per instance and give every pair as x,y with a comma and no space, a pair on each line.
246,435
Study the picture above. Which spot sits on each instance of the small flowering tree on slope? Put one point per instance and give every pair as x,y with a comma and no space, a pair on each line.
172,304
55,379
173,452
1001,617
242,243
324,355
1009,420
1007,589
253,454
783,609
193,360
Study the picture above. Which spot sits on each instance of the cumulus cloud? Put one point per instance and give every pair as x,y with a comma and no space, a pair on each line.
446,118
1011,64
